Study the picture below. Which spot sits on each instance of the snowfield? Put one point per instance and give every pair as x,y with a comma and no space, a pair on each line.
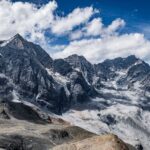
130,123
119,111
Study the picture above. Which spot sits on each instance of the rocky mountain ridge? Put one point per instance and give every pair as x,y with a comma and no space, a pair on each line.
105,97
32,70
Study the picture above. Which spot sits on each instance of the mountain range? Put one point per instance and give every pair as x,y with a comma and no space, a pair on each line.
111,96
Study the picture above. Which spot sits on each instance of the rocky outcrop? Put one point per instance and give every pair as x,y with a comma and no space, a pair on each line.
106,142
24,135
62,67
81,64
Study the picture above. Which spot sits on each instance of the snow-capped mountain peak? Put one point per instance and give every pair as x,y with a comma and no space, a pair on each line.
107,97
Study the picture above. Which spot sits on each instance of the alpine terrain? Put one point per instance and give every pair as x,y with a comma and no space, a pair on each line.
71,104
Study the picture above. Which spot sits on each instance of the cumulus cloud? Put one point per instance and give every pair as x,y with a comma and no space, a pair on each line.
77,17
76,35
88,35
96,28
116,24
25,18
97,50
32,22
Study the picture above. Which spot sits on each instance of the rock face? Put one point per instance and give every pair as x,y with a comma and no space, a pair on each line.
24,65
27,68
81,64
62,67
133,68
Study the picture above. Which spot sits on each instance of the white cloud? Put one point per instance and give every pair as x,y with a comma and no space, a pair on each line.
28,19
105,42
95,40
77,17
76,35
25,18
97,50
115,25
95,27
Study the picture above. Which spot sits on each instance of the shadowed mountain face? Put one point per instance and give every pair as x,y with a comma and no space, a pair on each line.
24,65
33,76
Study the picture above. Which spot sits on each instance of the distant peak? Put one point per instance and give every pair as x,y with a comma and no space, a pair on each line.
132,57
128,58
16,41
75,56
18,36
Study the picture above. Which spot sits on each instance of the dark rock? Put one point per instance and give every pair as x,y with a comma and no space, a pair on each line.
4,114
61,66
139,71
81,91
139,147
18,142
108,119
59,136
21,111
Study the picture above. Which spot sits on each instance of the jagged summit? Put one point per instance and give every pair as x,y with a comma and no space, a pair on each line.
76,56
19,42
80,63
121,62
131,57
19,46
18,36
77,59
16,41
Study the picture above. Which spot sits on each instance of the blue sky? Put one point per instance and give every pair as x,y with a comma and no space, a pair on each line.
134,12
96,29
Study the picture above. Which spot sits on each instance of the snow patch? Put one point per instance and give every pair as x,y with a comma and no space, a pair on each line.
15,97
58,77
62,80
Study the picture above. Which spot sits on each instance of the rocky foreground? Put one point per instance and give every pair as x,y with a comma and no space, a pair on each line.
24,132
